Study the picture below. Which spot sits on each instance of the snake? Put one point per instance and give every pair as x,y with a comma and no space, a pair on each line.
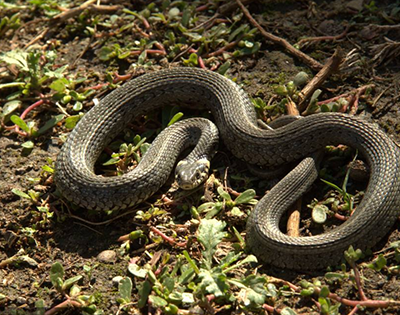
235,117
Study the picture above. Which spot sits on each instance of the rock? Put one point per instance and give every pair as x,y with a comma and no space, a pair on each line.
356,5
21,300
107,256
116,280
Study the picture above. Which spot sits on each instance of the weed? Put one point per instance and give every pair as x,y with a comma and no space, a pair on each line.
191,282
72,292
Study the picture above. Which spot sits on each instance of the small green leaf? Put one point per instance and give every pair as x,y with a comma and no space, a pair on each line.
352,255
237,212
254,290
157,301
28,145
20,123
319,214
77,106
48,169
56,275
280,90
334,276
213,282
324,292
75,290
174,119
205,207
223,193
125,289
215,210
245,196
20,193
11,84
137,271
126,54
173,12
224,67
10,107
142,57
112,161
59,85
71,121
191,262
378,263
144,291
50,123
69,282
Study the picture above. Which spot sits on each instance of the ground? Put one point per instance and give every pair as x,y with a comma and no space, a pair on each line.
59,57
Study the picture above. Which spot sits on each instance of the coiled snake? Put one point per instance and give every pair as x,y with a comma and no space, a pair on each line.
235,117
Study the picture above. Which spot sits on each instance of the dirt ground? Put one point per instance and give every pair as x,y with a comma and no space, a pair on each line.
369,38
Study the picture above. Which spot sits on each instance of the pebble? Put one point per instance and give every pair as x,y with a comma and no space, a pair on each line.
107,256
21,300
116,280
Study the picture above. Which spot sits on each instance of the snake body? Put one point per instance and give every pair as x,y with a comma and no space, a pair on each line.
236,119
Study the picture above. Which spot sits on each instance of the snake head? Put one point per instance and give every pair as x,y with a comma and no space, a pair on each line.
189,175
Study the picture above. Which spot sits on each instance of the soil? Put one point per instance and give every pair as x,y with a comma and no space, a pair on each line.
76,243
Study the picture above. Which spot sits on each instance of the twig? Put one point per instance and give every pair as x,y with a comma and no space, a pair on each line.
321,38
293,222
167,238
315,65
62,306
23,115
101,9
225,48
352,97
331,66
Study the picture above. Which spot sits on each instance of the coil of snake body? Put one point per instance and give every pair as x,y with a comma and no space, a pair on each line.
236,119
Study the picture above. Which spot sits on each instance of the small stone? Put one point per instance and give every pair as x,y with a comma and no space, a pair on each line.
116,280
21,300
107,256
356,5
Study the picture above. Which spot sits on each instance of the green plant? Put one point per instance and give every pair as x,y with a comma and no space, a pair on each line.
70,289
225,202
9,23
189,281
34,69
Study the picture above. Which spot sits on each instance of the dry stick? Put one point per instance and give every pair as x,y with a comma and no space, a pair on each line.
101,9
62,306
354,104
293,222
331,66
225,48
315,65
321,38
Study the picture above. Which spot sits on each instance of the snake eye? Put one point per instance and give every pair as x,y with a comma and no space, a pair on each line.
198,175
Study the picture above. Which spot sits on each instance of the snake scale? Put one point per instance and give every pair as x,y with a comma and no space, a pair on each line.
236,119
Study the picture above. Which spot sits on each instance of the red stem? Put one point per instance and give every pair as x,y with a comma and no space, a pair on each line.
167,238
